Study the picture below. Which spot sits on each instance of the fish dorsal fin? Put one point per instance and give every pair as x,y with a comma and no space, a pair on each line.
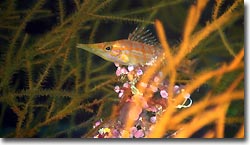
144,36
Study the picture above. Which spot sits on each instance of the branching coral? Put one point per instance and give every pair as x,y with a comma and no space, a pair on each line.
50,88
166,120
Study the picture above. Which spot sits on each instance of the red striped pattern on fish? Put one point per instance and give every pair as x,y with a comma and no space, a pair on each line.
140,48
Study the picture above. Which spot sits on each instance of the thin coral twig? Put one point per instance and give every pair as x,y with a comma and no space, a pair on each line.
169,58
161,126
241,132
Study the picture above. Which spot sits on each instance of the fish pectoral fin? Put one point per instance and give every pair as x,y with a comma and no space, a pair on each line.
124,58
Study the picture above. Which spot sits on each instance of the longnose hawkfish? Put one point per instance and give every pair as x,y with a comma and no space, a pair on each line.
141,48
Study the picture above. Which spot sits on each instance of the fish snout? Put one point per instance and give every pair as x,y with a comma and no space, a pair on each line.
80,45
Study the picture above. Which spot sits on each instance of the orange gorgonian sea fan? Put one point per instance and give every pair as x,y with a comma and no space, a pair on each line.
142,114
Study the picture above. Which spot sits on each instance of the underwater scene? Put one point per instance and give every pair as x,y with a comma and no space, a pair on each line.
122,69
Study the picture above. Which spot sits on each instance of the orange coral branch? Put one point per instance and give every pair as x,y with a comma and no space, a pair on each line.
168,57
188,44
241,132
203,33
161,126
198,122
191,21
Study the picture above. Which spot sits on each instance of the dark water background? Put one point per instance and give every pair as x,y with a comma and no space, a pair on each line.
173,18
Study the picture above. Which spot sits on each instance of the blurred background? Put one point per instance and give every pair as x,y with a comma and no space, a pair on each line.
51,89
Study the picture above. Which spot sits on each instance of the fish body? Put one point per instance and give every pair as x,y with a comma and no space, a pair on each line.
140,48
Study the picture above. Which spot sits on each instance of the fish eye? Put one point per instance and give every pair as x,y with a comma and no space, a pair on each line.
108,48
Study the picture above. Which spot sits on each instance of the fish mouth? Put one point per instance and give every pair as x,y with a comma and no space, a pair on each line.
93,48
84,46
79,45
